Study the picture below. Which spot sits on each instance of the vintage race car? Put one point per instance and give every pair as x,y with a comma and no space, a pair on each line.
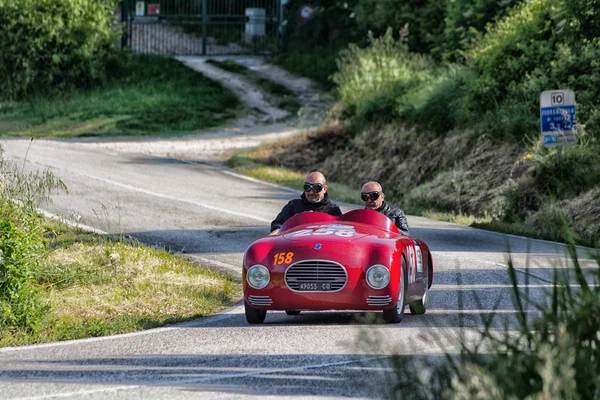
358,261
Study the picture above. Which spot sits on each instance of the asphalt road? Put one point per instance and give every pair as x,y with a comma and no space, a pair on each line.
212,215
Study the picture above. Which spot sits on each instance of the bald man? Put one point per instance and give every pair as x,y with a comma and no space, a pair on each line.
374,198
314,198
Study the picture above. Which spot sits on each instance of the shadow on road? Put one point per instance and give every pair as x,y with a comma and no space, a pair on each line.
353,376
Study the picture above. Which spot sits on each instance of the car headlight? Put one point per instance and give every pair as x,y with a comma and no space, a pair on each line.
258,276
378,276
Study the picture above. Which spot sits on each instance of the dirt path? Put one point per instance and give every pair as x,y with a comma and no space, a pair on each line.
263,122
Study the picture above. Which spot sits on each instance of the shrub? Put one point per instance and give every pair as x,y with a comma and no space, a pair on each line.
47,44
21,245
540,45
424,20
371,79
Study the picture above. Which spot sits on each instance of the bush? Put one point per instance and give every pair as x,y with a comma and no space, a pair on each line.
424,20
49,44
21,244
540,45
370,80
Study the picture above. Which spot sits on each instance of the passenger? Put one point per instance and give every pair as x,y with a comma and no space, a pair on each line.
314,198
374,198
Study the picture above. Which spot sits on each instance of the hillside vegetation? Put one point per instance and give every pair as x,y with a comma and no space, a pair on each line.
446,116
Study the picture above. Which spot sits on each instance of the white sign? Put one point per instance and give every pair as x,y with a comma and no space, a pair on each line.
139,8
557,117
306,11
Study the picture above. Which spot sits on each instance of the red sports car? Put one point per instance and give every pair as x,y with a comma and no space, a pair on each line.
358,261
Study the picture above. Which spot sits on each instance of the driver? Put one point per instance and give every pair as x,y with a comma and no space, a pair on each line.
373,197
314,198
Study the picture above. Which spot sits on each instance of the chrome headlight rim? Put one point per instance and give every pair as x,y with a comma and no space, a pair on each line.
372,269
250,275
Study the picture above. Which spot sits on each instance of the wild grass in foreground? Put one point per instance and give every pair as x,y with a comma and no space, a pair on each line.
554,356
147,95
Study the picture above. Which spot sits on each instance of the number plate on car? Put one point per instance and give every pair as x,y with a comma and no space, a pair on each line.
315,286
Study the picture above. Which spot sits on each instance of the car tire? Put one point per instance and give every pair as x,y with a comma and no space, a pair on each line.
420,306
395,315
292,312
254,315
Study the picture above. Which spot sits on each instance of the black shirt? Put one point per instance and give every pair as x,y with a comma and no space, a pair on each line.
396,215
302,204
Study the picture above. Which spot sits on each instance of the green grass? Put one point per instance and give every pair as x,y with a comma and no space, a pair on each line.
148,95
317,65
97,286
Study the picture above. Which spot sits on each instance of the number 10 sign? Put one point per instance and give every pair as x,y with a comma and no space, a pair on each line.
557,117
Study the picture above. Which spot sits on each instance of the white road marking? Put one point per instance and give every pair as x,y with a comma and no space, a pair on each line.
192,202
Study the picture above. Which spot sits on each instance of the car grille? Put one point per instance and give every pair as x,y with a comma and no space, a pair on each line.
316,271
260,300
379,300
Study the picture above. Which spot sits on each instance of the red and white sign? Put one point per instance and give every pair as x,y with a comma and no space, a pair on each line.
306,11
153,9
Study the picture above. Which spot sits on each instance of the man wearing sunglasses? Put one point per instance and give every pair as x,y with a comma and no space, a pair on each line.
372,195
314,198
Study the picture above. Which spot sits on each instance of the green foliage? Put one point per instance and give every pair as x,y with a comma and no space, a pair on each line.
555,354
21,245
541,45
318,65
143,95
50,44
370,80
423,18
464,19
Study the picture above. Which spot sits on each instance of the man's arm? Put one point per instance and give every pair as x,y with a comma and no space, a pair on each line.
401,222
336,211
285,214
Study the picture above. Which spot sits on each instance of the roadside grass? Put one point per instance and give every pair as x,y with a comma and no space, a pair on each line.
98,286
283,97
256,164
146,95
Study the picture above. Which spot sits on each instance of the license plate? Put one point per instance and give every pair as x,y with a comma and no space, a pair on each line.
315,286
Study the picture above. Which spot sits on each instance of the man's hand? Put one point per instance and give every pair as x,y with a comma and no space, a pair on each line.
275,232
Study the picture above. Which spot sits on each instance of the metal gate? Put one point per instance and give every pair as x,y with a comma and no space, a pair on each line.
202,27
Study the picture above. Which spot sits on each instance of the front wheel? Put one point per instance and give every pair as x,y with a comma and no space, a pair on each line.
254,315
394,315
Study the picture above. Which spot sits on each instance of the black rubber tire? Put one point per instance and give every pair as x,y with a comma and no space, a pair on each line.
292,312
395,315
254,315
420,306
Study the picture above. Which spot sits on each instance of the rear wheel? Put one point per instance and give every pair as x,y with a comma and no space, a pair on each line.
292,312
254,315
394,315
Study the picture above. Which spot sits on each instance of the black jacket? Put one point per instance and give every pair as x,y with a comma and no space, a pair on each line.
302,204
396,215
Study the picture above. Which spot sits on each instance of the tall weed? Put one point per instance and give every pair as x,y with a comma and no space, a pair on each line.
553,356
21,244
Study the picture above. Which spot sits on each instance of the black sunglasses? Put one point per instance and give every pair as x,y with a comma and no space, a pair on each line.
315,187
370,195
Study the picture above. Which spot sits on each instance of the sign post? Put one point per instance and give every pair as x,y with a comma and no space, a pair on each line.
557,117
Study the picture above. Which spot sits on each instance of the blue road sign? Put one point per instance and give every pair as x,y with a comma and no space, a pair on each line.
557,117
